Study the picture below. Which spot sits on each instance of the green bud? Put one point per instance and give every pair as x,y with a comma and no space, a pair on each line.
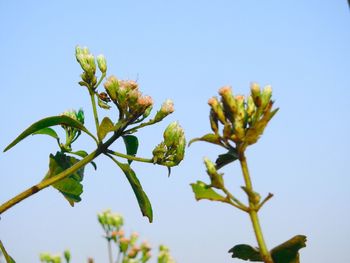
166,109
102,63
217,108
266,96
67,255
250,106
80,116
133,238
256,94
216,179
228,101
124,244
112,86
214,121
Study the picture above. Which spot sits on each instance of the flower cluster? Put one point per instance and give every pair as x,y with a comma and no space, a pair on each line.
164,255
127,97
54,258
171,151
88,64
243,119
72,133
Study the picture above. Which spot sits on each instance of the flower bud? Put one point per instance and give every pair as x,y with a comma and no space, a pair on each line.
67,255
216,179
124,244
217,108
213,122
112,86
133,238
250,106
166,109
266,96
256,94
102,64
228,101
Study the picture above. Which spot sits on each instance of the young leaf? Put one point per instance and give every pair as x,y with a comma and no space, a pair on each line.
211,138
226,158
105,127
48,122
131,143
8,258
144,203
203,191
70,187
47,131
246,252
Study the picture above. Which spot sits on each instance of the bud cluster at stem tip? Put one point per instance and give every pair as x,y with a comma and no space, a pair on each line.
126,96
171,151
243,119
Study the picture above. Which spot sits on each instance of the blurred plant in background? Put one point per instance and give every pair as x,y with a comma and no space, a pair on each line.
126,249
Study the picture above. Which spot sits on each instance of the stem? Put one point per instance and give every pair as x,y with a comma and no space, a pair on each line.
4,252
264,252
43,184
93,102
130,157
99,82
110,252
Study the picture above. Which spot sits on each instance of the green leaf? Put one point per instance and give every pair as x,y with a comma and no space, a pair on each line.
105,127
226,158
288,252
144,203
70,187
47,131
48,122
204,191
211,138
245,252
132,144
8,258
83,154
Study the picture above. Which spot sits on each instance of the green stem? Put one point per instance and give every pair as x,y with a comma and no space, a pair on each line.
7,256
130,157
110,252
264,252
47,182
234,201
93,102
99,82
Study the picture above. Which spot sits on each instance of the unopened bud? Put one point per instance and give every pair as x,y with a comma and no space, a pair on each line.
124,244
256,94
102,64
217,108
228,101
215,178
266,96
67,255
166,109
250,106
112,86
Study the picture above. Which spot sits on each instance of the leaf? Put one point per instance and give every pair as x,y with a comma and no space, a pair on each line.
47,131
105,127
83,154
288,252
226,158
48,122
245,252
211,138
70,187
203,191
8,258
132,144
144,203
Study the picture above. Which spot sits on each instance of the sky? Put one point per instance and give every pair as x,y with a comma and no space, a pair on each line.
185,51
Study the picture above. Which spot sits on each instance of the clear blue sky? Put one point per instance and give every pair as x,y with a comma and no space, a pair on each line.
184,50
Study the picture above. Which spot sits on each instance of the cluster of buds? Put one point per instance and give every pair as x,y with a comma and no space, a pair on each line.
72,133
171,151
243,119
49,258
164,255
127,97
111,224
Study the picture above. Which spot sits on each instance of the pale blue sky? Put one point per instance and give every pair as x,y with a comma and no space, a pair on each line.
184,50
